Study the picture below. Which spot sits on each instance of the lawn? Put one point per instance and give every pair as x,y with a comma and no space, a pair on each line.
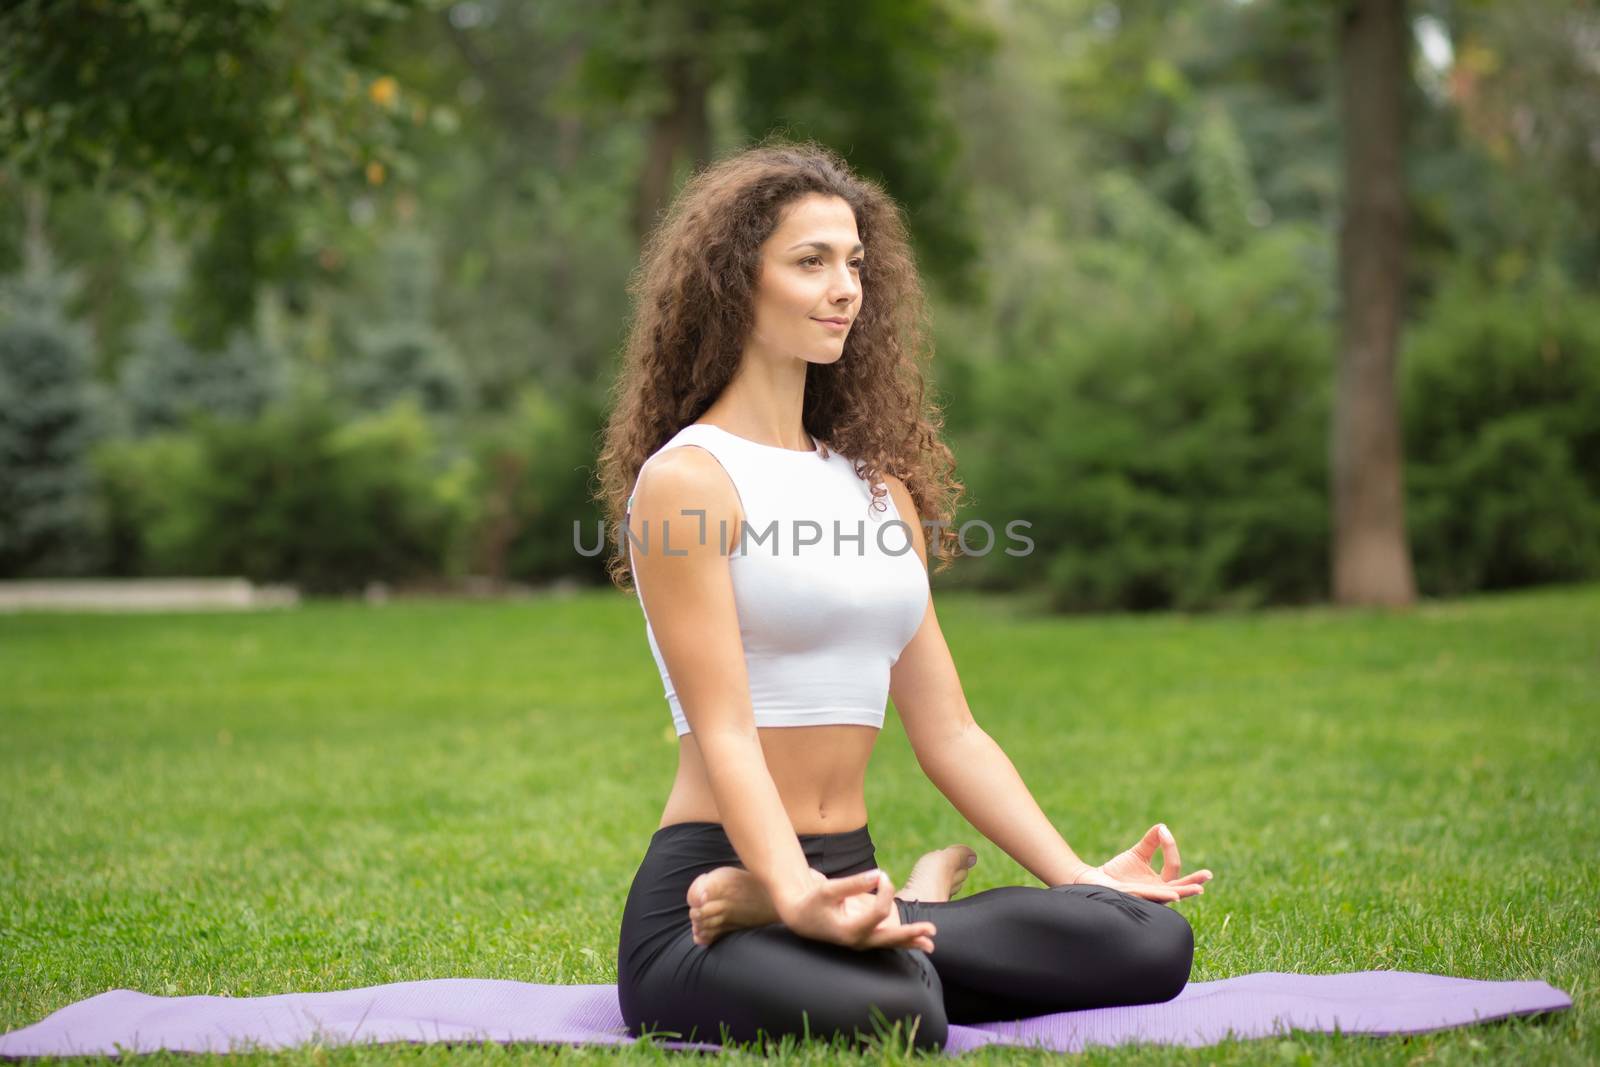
343,795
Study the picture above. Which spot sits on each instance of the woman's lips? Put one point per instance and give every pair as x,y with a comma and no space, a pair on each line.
834,324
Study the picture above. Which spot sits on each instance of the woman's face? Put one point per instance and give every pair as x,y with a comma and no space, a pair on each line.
810,273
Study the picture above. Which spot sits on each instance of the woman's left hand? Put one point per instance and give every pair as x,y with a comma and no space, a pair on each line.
1131,871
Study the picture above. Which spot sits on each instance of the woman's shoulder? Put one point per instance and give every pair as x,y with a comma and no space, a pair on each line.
684,484
906,507
685,477
902,496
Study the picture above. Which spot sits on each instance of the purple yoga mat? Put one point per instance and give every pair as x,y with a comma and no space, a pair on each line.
478,1009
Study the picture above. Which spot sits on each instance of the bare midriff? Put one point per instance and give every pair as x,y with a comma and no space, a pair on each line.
820,772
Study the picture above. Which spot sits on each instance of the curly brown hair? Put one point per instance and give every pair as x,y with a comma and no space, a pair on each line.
693,296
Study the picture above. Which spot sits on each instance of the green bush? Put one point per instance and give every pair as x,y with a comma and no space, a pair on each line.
299,495
531,472
1501,393
1164,436
1157,406
145,484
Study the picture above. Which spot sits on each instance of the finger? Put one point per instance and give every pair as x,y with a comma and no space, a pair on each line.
872,904
1197,878
1171,865
865,882
910,935
889,941
913,931
883,902
1146,848
1162,894
879,892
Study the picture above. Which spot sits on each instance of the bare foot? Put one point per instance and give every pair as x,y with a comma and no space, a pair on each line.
937,875
731,898
726,899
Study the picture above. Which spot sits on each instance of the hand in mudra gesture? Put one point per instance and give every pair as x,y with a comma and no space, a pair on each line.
1131,871
857,911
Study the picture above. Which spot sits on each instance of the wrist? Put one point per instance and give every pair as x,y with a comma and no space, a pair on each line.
1076,872
787,893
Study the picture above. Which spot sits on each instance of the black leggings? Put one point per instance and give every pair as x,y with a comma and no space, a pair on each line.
1003,953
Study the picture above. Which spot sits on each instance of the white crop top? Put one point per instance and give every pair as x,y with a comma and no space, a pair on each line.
828,589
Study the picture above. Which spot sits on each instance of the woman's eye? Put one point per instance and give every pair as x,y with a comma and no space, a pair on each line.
809,259
856,263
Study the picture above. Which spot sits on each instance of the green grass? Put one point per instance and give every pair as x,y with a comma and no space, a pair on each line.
345,795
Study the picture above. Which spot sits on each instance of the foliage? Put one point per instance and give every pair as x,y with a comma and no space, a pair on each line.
244,109
51,413
1528,92
147,488
531,474
1502,421
799,71
534,285
894,55
1136,201
1229,206
1165,442
301,495
1158,416
399,354
166,380
205,98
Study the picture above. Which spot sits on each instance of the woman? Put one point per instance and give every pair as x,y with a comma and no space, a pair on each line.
772,397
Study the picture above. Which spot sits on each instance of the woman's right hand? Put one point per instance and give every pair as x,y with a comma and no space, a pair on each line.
846,911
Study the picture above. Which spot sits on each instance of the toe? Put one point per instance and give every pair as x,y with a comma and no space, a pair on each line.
702,889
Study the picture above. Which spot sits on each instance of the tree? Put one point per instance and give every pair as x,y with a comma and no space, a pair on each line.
247,115
398,351
160,384
875,91
1371,560
51,415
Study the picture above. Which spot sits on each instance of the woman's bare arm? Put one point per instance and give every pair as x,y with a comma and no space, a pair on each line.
688,596
957,755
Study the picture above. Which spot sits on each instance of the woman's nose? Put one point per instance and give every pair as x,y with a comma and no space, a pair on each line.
845,287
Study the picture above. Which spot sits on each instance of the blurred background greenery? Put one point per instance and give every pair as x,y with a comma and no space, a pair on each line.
330,292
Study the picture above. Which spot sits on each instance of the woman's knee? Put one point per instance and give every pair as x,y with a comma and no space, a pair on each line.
922,1011
1154,936
911,1012
1150,947
894,995
830,993
1167,952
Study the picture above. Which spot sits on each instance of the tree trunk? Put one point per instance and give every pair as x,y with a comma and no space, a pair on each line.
683,126
1371,560
501,526
569,128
